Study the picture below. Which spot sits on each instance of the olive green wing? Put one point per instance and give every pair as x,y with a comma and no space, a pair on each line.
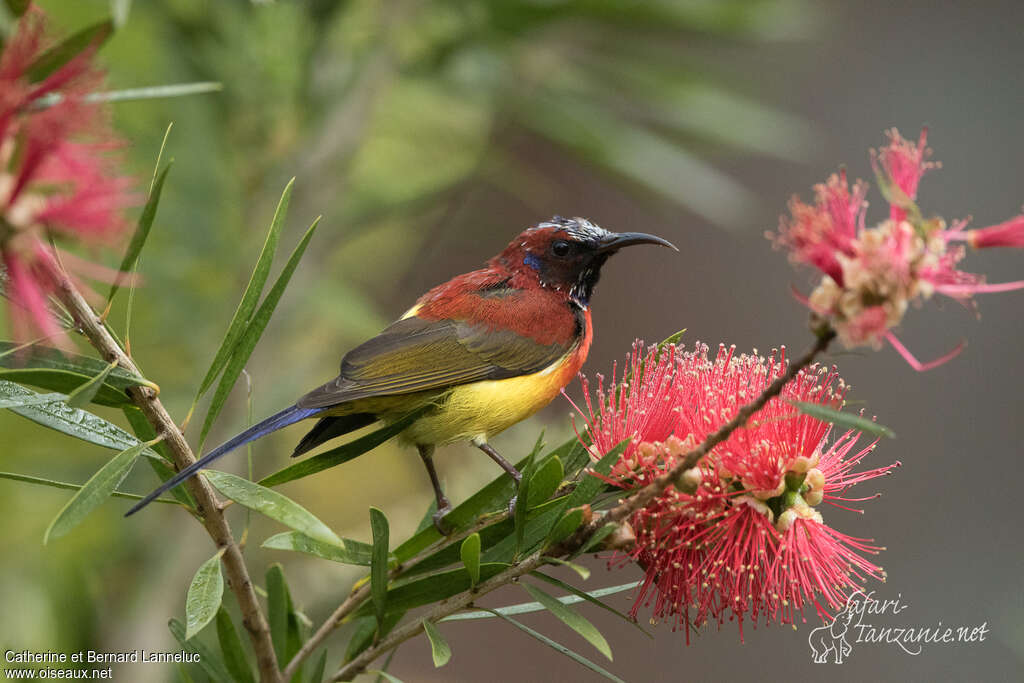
415,355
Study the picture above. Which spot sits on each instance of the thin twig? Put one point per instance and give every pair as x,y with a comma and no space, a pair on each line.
637,500
208,507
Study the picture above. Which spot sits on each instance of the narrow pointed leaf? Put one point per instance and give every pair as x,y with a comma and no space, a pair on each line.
64,372
427,520
847,420
144,225
145,432
99,487
272,504
62,53
439,648
565,526
31,400
598,536
545,481
231,647
75,487
522,506
348,552
571,619
592,597
582,571
317,674
209,660
470,552
590,484
248,339
83,395
341,454
431,589
365,630
528,607
71,421
558,647
204,595
278,608
385,675
251,296
379,562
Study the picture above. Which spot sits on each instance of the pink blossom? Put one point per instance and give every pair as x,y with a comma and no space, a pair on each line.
872,274
57,178
741,537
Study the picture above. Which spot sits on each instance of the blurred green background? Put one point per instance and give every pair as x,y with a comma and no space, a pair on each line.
428,134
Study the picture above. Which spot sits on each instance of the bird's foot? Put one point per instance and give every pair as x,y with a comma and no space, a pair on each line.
443,527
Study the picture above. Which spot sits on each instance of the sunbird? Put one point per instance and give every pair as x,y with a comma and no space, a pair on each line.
486,349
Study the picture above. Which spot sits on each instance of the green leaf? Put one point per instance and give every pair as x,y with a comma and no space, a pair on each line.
30,400
75,487
384,674
272,504
470,553
83,395
528,607
238,329
379,562
593,596
589,484
583,572
597,537
99,487
251,296
348,552
317,674
278,608
427,520
231,648
71,421
571,619
343,453
209,660
204,595
566,525
491,497
439,647
144,225
522,507
62,53
837,417
545,481
558,647
431,589
17,7
64,372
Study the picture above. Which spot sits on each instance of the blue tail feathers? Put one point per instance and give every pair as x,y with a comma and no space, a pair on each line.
276,421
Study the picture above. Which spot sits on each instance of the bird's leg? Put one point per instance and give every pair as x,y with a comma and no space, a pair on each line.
443,504
505,465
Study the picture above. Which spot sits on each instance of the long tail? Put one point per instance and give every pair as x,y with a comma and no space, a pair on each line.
271,424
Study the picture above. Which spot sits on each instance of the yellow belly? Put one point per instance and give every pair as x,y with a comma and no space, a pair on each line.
483,409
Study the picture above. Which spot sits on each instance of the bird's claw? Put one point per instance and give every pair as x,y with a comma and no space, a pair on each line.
442,527
512,506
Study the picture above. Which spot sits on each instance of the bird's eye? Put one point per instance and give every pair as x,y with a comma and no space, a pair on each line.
560,248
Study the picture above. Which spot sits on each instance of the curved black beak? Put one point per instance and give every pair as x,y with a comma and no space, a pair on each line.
616,240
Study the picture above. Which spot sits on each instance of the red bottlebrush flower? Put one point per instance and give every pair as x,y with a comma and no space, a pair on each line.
56,179
1006,234
903,164
872,274
741,536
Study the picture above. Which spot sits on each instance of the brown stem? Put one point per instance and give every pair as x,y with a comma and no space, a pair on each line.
637,500
206,502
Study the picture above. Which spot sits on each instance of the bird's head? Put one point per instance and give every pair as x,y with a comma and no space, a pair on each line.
566,254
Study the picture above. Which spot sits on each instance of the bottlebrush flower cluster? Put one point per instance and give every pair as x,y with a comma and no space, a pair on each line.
870,275
742,536
56,176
